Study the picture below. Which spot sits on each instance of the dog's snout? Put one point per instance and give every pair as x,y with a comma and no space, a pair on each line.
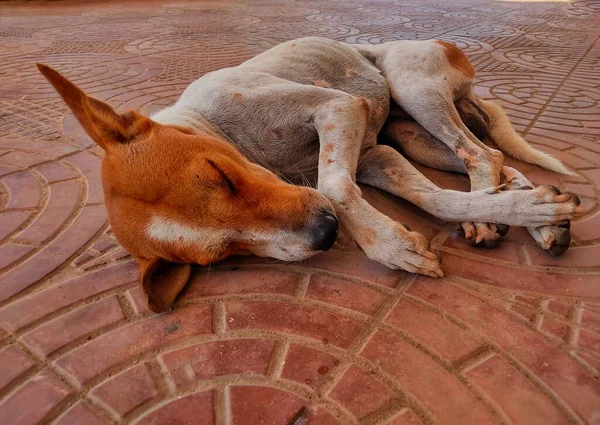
324,231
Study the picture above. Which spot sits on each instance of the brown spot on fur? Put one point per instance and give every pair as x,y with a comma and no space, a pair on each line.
321,83
468,159
238,96
330,161
365,103
329,148
457,58
329,127
369,236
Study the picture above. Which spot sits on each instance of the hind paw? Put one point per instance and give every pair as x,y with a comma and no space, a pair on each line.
554,239
486,235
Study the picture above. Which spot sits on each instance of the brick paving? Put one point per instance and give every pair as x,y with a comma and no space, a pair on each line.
510,336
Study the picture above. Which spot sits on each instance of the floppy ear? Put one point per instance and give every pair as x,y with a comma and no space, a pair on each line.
105,126
162,281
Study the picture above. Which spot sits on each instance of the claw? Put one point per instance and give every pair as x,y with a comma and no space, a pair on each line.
502,229
566,225
430,255
496,189
560,246
562,198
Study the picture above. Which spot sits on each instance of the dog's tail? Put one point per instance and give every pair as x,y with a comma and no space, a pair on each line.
485,118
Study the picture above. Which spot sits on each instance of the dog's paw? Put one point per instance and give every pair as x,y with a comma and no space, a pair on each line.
486,235
544,206
406,250
554,239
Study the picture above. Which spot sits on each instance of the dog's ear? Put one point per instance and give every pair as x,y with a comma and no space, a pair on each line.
162,281
105,126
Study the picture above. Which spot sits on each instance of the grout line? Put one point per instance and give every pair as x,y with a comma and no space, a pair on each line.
541,112
222,405
277,361
303,282
219,317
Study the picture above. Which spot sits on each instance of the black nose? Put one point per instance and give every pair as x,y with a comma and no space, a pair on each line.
324,231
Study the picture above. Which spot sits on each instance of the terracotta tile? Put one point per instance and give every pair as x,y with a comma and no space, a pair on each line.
537,60
89,166
13,362
12,252
183,410
39,304
344,294
53,255
308,366
24,190
32,401
212,359
318,324
360,393
262,405
55,171
406,417
435,332
63,199
518,398
127,390
126,343
240,281
356,264
64,329
555,327
566,284
547,362
80,414
425,379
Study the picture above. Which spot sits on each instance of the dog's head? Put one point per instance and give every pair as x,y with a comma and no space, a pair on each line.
175,198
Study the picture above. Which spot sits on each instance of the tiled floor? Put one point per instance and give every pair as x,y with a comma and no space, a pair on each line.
511,336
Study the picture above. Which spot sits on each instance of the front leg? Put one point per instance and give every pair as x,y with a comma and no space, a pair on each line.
341,125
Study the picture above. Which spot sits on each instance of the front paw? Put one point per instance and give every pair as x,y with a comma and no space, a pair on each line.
402,249
548,206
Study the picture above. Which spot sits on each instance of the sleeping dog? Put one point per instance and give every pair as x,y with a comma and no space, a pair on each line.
213,175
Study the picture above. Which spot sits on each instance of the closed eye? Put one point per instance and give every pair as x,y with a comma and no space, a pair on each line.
226,179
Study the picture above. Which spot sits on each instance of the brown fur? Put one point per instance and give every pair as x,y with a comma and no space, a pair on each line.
457,58
198,181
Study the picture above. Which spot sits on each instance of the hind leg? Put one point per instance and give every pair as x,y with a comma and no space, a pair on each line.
554,239
420,146
423,148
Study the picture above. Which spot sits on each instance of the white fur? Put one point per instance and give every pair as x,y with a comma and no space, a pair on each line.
169,231
509,141
282,245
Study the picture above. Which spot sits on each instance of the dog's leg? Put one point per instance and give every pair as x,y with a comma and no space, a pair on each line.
554,239
341,126
420,146
434,109
383,167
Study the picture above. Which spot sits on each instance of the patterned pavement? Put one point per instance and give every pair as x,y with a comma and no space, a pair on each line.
510,336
